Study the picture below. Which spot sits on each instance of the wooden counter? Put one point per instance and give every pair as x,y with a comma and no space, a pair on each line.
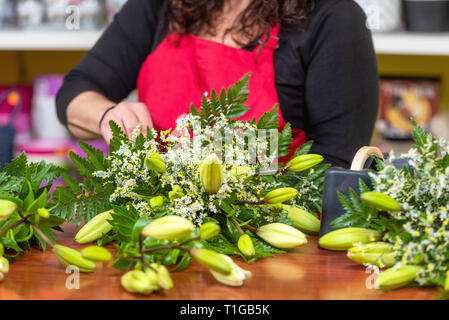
306,273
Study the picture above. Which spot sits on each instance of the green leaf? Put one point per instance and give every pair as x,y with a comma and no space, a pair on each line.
269,120
184,263
122,264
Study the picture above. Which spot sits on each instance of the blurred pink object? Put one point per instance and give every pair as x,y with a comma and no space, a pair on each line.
22,123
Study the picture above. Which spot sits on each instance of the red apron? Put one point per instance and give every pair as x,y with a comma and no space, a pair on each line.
182,69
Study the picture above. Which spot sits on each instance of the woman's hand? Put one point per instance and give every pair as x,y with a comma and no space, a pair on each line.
127,115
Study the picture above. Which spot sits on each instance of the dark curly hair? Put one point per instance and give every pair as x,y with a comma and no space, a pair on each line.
195,16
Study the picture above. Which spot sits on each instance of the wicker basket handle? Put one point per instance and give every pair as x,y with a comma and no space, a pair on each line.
362,155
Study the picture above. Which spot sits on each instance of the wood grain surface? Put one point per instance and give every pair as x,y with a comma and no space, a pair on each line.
305,273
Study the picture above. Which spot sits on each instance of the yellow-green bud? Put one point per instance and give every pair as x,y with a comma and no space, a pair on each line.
176,193
43,213
96,253
211,174
397,277
95,228
209,230
168,228
246,246
155,162
235,278
2,250
344,239
156,202
380,201
375,253
304,162
137,281
7,208
68,257
153,277
4,265
164,279
281,235
241,171
446,283
280,195
211,260
302,219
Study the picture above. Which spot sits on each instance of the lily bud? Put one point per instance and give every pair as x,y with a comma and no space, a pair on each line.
209,230
7,208
168,228
241,171
344,239
4,265
68,257
375,253
95,228
136,281
281,235
156,202
246,246
176,193
302,219
164,279
96,253
304,162
380,201
235,278
2,250
211,260
155,162
397,277
280,195
43,213
211,174
151,274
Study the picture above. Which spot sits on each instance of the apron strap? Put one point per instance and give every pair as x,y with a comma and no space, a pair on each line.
273,41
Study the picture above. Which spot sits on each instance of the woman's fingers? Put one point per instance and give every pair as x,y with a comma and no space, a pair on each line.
127,115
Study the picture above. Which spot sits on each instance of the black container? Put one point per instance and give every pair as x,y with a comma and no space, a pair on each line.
426,16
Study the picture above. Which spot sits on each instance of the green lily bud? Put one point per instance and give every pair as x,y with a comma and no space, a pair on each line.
246,246
96,253
209,230
164,279
95,228
302,219
304,162
176,193
43,213
280,195
375,253
7,208
68,257
137,281
155,162
446,283
211,260
235,278
168,228
151,274
281,235
211,174
344,239
4,265
2,250
380,201
156,202
399,277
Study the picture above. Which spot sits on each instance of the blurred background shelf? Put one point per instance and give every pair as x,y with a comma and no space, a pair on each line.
399,43
48,40
406,43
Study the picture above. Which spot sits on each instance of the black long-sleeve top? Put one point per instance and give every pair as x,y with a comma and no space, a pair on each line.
326,75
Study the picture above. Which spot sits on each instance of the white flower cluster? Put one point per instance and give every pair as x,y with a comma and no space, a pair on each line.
424,195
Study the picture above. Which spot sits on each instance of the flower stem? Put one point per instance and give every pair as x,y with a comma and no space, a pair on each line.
42,235
237,226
